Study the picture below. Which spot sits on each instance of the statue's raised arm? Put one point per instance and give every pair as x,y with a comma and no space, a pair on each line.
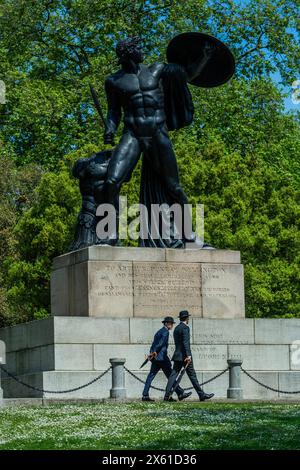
195,58
208,62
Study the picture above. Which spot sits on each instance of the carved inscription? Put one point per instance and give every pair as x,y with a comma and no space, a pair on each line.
165,288
209,357
219,338
115,280
231,331
222,290
110,288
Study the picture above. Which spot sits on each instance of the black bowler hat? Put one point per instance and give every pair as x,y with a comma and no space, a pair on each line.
168,320
183,315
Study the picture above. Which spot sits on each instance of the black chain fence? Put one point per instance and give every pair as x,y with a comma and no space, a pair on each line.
99,377
75,389
268,386
189,388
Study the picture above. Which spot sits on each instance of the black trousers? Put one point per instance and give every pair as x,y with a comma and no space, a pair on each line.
156,366
191,374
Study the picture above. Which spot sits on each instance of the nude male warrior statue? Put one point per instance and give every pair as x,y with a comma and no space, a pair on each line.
153,99
143,94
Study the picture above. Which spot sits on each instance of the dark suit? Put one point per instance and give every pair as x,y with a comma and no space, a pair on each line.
162,362
182,350
182,342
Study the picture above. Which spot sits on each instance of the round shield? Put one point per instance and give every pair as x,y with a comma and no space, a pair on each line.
187,48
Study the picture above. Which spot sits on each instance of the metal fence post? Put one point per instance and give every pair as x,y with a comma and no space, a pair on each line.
234,390
2,361
118,390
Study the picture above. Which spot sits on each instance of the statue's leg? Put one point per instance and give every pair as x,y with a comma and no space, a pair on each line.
165,161
122,162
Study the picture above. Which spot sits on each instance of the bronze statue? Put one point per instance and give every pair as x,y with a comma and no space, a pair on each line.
153,100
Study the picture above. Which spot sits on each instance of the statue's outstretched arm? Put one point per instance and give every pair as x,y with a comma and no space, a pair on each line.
114,113
194,69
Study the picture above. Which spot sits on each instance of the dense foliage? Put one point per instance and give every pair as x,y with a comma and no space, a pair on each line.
240,157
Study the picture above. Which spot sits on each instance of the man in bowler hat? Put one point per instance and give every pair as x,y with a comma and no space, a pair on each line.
160,360
182,357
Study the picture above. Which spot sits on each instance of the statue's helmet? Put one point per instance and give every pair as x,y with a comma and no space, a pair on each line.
130,48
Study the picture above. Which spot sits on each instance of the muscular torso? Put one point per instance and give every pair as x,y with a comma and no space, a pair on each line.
141,98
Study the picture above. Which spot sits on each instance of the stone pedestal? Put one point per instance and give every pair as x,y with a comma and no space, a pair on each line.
103,281
59,353
108,303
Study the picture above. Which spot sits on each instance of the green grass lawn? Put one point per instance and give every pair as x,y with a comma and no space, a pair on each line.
151,426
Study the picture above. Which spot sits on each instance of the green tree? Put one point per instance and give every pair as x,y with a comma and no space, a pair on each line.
54,49
16,189
250,207
42,232
240,158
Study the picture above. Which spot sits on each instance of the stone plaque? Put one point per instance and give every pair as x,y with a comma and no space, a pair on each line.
207,357
278,331
110,289
223,331
212,357
141,283
166,288
222,290
261,356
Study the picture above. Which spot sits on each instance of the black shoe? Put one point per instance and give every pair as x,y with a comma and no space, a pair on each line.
147,399
169,399
206,396
184,395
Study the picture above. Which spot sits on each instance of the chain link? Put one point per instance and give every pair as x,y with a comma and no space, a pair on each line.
215,376
70,390
37,389
163,389
268,386
140,380
75,389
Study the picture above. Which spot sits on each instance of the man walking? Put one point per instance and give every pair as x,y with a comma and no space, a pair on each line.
182,357
160,360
